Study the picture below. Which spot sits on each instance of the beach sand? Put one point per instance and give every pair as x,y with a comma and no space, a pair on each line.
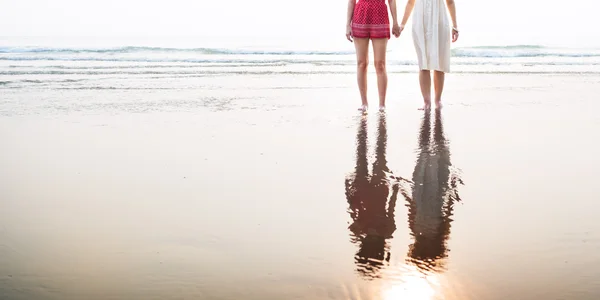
275,187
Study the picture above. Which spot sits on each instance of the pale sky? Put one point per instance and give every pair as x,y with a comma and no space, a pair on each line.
545,21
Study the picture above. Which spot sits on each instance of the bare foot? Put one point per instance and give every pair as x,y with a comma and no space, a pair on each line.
426,104
438,104
425,107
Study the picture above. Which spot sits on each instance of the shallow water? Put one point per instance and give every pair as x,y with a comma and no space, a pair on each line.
274,187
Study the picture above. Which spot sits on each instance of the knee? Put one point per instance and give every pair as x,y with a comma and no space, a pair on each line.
380,66
362,64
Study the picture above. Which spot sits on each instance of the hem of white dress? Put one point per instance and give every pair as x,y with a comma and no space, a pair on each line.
434,69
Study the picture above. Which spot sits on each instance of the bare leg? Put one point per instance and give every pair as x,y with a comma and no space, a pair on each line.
425,81
438,84
362,62
379,50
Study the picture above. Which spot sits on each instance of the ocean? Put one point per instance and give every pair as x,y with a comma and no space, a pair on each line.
91,63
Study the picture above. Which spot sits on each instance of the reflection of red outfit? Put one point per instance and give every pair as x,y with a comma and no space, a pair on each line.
368,204
371,20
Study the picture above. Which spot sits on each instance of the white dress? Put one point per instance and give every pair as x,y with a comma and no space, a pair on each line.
432,35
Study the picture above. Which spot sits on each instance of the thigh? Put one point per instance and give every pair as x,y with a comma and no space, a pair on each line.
379,49
362,49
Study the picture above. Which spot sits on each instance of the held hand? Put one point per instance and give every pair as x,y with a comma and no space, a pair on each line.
454,34
397,29
349,33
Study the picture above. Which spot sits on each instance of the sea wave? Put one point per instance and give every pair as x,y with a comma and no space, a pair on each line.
174,59
134,49
25,53
523,51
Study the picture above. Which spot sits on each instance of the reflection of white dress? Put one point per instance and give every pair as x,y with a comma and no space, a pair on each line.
432,35
428,196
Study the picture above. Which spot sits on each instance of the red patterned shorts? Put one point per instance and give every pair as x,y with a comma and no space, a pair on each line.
371,20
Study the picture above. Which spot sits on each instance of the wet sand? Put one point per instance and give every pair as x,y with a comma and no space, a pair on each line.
277,188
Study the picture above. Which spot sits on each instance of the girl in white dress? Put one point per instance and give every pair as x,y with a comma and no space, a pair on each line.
432,34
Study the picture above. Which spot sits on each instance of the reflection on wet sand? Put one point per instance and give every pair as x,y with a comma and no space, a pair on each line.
430,199
433,197
430,209
370,204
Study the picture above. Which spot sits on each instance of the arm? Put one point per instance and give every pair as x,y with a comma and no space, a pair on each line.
410,4
392,4
349,15
396,30
452,9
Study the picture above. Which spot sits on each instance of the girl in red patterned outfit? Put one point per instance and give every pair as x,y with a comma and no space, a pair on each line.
369,20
